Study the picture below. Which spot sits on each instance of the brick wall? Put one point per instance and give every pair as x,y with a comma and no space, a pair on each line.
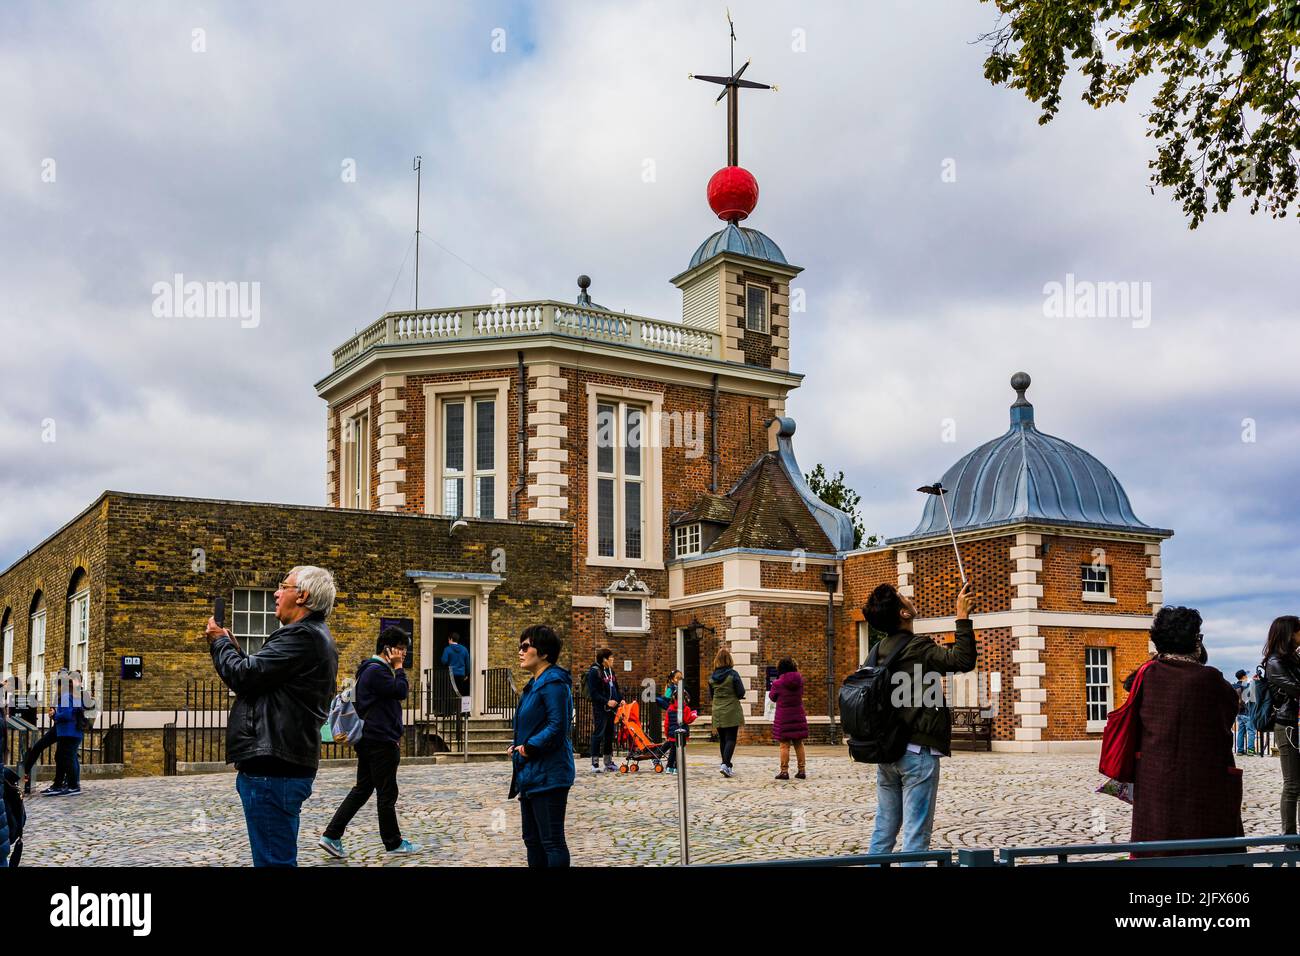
149,595
334,462
781,574
48,570
702,578
936,581
1062,580
1065,683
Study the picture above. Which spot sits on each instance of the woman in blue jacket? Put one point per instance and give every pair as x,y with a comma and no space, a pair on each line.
542,754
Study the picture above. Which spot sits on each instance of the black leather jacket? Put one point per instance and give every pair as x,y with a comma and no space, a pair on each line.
1284,687
283,692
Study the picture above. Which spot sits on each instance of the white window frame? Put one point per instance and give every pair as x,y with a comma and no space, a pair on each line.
1098,662
245,636
79,631
356,438
8,659
767,308
687,539
642,628
36,653
436,398
1097,597
652,528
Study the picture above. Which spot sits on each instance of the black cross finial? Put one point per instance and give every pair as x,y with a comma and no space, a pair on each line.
731,88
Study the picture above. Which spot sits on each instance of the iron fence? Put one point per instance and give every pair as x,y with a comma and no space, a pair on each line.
584,724
500,696
101,737
432,723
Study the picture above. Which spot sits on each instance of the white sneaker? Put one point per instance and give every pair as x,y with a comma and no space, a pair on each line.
728,772
595,768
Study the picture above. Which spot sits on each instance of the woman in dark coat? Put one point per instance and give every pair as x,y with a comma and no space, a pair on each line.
790,722
1282,667
1187,786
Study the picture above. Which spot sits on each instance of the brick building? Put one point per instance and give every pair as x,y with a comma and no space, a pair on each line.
1068,581
630,480
135,575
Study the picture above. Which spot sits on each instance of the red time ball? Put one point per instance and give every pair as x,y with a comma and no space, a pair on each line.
733,193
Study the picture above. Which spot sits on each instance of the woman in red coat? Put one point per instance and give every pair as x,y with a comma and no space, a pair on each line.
1187,786
790,722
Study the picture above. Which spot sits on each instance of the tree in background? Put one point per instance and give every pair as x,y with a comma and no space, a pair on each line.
1226,112
839,495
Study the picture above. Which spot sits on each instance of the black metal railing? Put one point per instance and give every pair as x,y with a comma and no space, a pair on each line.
431,716
101,737
500,696
169,749
584,724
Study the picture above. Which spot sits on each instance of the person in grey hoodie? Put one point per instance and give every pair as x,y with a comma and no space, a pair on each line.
727,691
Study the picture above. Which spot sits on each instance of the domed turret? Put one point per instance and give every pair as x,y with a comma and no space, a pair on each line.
1027,475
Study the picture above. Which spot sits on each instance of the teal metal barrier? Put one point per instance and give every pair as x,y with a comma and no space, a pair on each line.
1224,852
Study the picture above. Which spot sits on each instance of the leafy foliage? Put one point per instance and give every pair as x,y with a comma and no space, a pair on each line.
1226,112
836,493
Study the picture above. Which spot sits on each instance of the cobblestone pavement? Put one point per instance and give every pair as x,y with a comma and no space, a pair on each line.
462,817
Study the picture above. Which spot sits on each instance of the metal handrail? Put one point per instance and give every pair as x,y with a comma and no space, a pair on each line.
940,857
1222,849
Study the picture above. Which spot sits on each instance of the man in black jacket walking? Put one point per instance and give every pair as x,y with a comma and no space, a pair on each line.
602,689
282,697
380,689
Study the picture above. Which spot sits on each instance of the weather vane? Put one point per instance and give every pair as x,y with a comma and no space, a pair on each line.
731,90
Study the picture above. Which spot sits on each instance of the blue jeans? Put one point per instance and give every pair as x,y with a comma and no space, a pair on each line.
906,792
1245,735
543,825
272,806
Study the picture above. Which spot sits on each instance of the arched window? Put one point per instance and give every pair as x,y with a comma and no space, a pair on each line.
36,644
78,630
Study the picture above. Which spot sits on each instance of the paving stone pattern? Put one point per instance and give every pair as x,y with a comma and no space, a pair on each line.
461,814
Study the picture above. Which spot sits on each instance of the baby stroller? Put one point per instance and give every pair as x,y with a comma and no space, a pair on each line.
17,814
633,736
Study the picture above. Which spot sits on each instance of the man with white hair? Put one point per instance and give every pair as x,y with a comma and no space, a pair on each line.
282,697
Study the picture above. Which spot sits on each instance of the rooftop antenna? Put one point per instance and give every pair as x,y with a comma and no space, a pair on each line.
938,489
416,165
731,87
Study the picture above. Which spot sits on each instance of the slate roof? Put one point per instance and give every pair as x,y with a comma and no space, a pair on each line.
773,509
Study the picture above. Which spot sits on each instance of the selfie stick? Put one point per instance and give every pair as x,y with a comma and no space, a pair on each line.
938,489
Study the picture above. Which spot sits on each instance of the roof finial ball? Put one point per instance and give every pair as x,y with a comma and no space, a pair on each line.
584,283
1022,412
1020,382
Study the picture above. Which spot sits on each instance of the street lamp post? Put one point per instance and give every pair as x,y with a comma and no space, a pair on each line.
831,578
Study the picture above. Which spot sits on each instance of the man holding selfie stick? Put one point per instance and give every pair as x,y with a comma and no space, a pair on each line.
282,697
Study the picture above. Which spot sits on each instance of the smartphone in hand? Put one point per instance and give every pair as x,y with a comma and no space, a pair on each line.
219,611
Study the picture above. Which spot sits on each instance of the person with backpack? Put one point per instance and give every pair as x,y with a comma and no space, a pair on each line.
1282,674
603,692
790,722
916,726
1245,734
380,688
727,691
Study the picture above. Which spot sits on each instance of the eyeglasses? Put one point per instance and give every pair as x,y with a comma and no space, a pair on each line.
286,586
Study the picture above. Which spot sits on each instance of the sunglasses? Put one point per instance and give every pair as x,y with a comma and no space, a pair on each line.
525,646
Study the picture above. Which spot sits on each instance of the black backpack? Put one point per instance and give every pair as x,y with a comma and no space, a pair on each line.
876,730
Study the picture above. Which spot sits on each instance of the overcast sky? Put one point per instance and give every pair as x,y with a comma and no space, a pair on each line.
928,209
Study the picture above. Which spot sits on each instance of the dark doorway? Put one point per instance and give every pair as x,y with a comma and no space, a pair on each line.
691,665
444,626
